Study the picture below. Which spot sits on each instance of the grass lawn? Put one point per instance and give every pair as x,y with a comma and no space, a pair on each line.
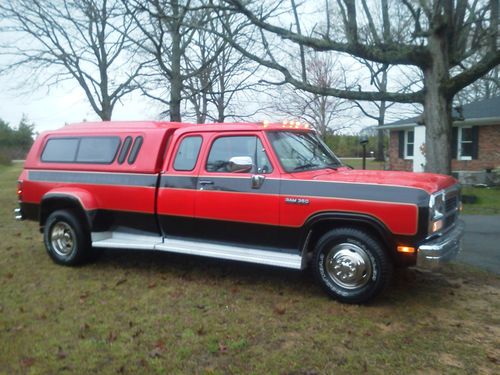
488,201
134,313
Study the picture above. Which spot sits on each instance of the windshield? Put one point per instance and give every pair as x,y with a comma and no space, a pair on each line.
302,151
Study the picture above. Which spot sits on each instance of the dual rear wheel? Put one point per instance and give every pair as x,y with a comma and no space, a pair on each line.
66,238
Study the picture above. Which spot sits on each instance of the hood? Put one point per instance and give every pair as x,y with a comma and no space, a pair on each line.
430,182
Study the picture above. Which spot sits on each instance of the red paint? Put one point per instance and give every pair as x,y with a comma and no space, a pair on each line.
252,207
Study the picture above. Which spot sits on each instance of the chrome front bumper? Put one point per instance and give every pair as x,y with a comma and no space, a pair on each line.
441,249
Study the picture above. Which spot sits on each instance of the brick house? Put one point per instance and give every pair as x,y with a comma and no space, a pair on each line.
476,141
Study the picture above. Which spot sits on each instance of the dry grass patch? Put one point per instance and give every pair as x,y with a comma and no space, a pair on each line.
144,312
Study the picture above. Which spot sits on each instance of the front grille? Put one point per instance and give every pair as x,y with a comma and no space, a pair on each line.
451,203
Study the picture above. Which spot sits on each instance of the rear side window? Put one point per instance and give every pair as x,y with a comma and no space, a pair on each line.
187,154
89,150
135,150
62,150
99,150
125,149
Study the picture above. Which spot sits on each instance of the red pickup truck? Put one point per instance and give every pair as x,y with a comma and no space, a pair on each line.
264,193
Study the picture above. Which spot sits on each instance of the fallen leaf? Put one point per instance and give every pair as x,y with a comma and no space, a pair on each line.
137,333
279,309
156,353
152,285
61,354
18,328
222,348
493,359
27,362
112,337
121,281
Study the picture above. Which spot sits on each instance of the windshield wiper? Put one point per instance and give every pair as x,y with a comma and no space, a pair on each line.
305,166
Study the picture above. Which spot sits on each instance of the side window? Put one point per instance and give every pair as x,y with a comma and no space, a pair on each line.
135,150
101,150
465,143
90,150
187,154
125,149
409,144
238,154
60,150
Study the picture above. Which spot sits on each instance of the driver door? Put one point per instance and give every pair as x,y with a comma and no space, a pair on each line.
238,190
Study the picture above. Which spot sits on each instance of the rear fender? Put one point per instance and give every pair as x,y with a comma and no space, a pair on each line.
76,199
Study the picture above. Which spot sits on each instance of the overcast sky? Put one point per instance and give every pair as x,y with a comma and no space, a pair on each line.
51,109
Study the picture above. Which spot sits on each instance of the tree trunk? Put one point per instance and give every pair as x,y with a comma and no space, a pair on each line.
176,79
106,112
380,133
437,108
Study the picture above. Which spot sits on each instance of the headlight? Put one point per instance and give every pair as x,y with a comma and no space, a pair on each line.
436,205
436,211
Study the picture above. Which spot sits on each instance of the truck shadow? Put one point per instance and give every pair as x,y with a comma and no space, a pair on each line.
407,284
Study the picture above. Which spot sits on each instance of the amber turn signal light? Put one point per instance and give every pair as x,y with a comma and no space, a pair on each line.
406,249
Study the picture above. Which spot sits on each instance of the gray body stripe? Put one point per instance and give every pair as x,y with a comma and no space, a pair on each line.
178,182
380,193
94,178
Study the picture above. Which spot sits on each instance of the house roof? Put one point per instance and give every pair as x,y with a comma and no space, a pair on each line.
483,112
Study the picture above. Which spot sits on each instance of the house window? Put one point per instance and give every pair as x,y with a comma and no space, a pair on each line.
465,143
409,143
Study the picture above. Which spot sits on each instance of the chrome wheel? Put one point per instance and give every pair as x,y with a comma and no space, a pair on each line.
348,265
62,239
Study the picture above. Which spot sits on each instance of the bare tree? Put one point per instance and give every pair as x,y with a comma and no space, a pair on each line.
484,88
77,40
169,28
323,112
442,38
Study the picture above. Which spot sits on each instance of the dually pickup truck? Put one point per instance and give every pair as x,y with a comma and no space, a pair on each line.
272,194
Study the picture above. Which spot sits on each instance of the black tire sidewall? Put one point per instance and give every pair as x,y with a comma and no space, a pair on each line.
82,240
381,267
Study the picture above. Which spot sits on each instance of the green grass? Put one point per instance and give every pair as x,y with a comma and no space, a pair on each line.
357,163
134,313
488,201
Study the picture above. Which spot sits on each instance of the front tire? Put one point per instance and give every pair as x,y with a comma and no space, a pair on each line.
66,238
351,265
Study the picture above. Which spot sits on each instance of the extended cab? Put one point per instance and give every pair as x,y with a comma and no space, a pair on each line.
263,193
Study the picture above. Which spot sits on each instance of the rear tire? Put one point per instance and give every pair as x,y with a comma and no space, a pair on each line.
66,238
351,265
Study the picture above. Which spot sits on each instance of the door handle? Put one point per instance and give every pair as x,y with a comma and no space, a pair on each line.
204,183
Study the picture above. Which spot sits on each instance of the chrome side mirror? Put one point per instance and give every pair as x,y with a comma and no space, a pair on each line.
240,164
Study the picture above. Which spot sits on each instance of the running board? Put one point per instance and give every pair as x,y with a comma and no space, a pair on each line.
114,240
